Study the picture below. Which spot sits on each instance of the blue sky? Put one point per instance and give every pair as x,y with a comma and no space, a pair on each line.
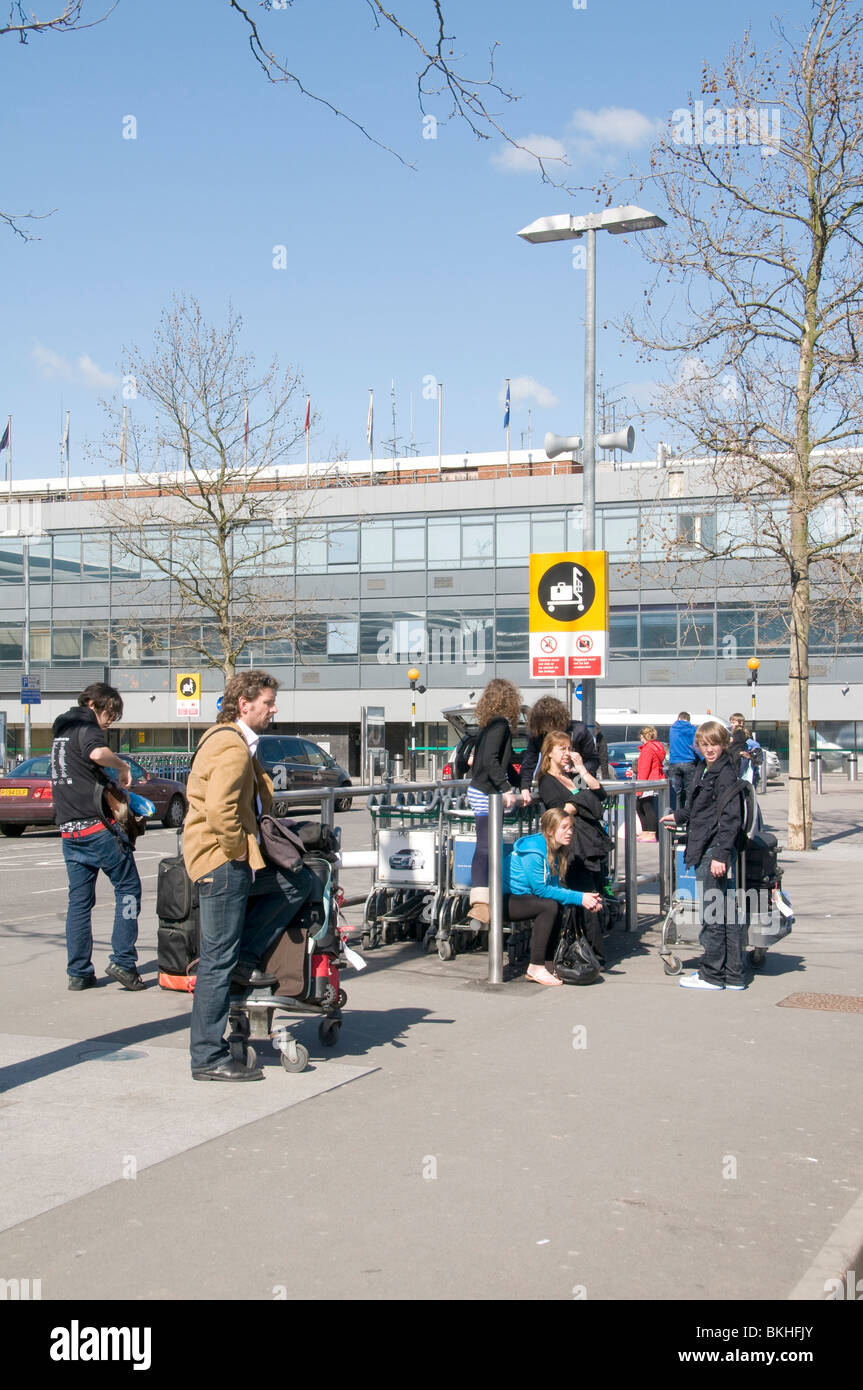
393,272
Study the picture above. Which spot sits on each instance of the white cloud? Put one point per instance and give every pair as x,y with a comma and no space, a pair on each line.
521,159
84,372
602,134
524,390
612,129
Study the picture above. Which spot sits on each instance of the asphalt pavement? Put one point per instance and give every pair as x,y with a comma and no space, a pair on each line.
626,1141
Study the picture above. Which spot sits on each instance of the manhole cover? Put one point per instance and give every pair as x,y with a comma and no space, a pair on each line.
831,1003
124,1054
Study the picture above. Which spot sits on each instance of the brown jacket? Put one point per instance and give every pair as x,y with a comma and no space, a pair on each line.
221,822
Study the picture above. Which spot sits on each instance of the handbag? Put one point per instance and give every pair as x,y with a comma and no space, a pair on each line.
574,960
280,844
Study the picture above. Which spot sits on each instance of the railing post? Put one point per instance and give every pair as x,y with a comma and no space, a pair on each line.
495,889
328,808
663,805
630,859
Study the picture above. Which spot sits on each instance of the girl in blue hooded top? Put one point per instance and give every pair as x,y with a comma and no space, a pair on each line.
537,869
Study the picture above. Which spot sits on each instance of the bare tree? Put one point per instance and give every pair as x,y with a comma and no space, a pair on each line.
763,176
217,532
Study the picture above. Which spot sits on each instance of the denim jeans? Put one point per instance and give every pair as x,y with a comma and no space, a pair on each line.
84,858
240,920
680,779
721,934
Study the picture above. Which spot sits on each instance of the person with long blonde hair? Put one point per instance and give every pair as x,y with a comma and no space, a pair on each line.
537,870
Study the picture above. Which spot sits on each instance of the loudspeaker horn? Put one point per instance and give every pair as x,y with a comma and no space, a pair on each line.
622,439
562,444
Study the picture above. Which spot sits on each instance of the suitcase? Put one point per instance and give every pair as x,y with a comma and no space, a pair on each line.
179,931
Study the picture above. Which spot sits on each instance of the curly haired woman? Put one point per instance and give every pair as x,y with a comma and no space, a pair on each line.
498,711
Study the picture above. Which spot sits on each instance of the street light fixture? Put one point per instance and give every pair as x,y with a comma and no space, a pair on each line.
568,227
413,677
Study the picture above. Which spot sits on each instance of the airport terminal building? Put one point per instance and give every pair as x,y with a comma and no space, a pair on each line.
420,562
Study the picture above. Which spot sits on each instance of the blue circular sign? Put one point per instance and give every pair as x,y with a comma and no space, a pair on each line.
221,698
578,691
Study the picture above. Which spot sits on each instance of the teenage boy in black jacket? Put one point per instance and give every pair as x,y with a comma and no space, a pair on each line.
713,817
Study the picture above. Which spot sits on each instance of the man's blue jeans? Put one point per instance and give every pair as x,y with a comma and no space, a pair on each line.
84,858
240,920
722,926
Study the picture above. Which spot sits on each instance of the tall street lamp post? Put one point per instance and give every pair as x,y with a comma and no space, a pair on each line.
567,227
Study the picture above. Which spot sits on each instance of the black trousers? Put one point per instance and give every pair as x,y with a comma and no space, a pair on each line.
546,923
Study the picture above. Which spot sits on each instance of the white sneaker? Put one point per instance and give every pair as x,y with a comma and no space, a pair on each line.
694,981
735,986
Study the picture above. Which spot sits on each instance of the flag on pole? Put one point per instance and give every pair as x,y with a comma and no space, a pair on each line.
5,440
506,413
64,447
308,412
370,425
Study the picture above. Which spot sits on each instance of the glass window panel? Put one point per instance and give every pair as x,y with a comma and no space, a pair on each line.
549,534
409,544
343,544
389,638
185,640
511,634
659,631
11,644
444,542
67,557
94,644
311,551
734,531
11,563
126,645
735,630
477,541
377,545
575,528
279,648
619,533
40,561
696,632
513,539
314,755
311,640
66,644
96,554
342,639
658,532
40,644
696,529
623,631
772,634
157,546
248,543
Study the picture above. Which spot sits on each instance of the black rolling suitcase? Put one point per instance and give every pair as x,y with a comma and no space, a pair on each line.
179,933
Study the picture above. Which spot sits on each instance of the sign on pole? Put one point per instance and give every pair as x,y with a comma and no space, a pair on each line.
569,614
189,695
31,690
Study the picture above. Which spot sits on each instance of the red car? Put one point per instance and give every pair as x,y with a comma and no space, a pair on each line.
25,795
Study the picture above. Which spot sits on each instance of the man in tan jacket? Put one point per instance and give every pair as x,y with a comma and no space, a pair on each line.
245,903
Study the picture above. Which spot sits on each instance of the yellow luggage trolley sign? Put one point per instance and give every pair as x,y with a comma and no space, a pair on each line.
569,614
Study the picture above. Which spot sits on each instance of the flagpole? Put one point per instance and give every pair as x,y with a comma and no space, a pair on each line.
66,448
507,427
308,418
123,450
370,432
246,434
440,430
9,462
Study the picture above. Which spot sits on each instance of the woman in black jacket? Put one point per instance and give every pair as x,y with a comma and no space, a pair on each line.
584,801
497,713
713,817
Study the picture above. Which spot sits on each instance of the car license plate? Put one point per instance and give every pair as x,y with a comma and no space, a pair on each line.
13,791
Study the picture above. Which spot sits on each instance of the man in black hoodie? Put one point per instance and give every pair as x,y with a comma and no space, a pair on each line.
78,753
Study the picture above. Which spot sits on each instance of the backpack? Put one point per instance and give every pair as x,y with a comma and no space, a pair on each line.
466,745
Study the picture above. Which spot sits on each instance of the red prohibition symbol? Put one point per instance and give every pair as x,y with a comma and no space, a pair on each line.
549,644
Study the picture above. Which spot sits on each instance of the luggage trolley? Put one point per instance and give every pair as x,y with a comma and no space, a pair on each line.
407,836
451,929
262,1015
769,916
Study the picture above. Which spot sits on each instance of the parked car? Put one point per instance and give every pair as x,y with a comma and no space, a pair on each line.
623,760
297,764
26,798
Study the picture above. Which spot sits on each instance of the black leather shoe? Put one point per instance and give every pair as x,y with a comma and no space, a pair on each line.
228,1069
81,982
129,979
250,977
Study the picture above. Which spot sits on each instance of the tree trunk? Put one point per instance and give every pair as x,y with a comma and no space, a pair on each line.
799,786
